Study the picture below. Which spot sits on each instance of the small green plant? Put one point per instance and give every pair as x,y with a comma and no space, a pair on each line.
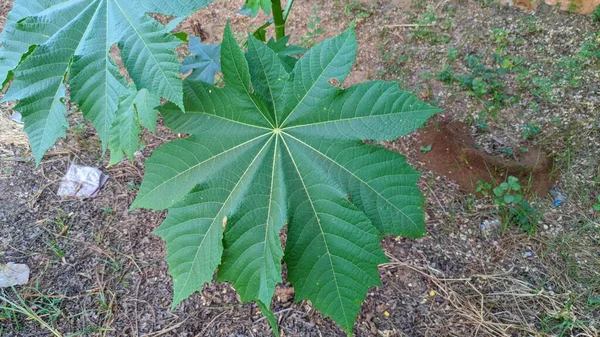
395,62
531,25
530,130
314,29
62,222
508,193
574,5
499,37
485,82
597,204
452,54
514,209
41,308
483,188
564,322
590,50
425,29
540,87
596,14
425,149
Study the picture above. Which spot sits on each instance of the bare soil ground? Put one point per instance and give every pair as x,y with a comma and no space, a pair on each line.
97,270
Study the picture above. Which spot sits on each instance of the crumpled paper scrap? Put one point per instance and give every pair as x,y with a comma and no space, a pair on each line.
82,182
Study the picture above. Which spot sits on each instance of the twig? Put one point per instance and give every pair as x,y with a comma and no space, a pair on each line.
164,331
410,25
16,159
276,313
210,323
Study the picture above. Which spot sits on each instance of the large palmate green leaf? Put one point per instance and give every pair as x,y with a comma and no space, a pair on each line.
47,41
272,148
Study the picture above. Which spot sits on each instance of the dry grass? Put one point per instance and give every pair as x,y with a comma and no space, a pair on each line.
11,133
498,304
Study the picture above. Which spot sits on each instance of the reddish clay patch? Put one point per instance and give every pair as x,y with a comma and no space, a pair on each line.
454,155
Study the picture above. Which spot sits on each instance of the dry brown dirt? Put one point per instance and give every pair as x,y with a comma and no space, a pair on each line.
454,154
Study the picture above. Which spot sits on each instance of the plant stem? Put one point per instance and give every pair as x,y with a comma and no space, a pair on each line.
278,18
288,8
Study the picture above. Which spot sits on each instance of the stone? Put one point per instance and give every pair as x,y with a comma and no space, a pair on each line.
13,274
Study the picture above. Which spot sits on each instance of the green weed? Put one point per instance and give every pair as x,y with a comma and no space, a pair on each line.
596,14
486,83
41,308
499,37
530,130
483,188
513,207
395,63
452,54
314,30
531,26
425,30
564,323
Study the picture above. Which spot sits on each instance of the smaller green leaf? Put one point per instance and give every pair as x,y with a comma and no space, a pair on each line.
498,191
425,149
245,10
517,198
286,52
261,33
509,198
253,6
205,62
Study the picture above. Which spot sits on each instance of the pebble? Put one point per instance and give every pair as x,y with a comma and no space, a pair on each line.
13,274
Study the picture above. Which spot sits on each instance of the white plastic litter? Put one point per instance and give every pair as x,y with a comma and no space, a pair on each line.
82,182
490,227
17,118
13,274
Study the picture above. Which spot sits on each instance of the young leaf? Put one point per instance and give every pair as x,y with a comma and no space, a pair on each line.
252,7
47,39
272,148
286,52
205,62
